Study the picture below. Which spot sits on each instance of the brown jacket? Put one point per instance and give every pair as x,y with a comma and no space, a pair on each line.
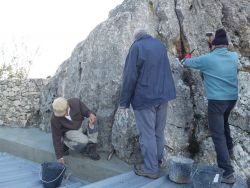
60,125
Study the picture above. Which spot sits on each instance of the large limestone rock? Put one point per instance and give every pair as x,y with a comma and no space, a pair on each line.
241,114
94,70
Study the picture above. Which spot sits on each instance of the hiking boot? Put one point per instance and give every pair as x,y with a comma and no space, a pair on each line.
65,150
90,151
229,179
140,172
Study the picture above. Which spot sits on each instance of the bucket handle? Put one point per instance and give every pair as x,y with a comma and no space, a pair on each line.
194,171
216,177
41,179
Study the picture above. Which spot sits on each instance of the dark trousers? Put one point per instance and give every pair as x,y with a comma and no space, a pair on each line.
218,113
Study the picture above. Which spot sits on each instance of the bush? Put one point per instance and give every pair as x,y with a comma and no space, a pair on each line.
16,59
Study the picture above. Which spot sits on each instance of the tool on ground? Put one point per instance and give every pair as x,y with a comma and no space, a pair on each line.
111,154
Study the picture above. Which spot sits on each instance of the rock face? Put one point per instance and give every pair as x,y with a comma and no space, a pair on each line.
94,70
20,102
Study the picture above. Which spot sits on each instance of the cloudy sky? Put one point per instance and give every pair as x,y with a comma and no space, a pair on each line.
55,26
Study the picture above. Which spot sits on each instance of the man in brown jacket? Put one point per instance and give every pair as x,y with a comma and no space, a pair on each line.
67,131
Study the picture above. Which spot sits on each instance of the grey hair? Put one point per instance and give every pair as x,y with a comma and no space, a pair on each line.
139,33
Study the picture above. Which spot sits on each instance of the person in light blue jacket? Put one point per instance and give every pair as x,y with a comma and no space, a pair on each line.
148,85
219,69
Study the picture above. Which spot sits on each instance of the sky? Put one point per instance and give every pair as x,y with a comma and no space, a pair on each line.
54,27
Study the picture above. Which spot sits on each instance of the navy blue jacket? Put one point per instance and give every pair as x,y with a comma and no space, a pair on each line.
147,77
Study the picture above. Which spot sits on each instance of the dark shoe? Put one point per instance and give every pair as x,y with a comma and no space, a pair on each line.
94,156
139,171
65,150
90,151
229,179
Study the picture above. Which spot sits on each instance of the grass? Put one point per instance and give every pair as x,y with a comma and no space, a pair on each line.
151,6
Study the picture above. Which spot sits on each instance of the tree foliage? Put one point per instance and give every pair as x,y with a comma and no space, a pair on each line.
16,59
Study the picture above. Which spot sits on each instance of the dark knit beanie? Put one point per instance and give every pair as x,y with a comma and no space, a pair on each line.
220,38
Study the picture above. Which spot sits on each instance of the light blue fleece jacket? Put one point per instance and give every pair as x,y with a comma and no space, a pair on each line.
219,69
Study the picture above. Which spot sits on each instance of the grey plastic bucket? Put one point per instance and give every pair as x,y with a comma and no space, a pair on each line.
180,169
206,176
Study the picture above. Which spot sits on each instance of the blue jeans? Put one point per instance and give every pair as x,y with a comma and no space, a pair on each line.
151,123
218,113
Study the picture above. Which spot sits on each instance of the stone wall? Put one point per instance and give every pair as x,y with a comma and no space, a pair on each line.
20,102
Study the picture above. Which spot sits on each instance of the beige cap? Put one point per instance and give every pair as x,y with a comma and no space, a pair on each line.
60,106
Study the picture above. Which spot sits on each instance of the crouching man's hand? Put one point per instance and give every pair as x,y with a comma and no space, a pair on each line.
92,118
61,160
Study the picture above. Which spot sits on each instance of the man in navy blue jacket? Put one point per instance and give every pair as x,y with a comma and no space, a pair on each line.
148,85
